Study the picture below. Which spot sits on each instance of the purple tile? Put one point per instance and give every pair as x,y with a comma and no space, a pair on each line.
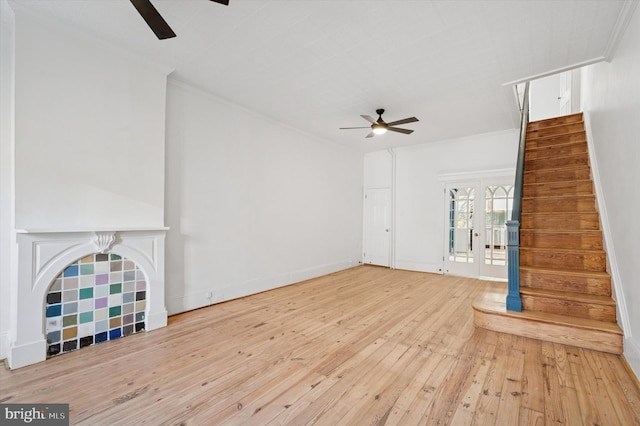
103,302
102,278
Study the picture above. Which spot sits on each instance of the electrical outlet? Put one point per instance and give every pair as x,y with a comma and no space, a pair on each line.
208,295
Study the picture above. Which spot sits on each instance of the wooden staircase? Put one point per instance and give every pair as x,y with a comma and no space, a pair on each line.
565,289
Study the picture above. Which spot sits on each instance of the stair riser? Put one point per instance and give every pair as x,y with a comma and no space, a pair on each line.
588,240
570,308
557,333
579,160
598,285
556,121
558,188
562,260
569,222
555,175
580,136
555,130
559,205
556,150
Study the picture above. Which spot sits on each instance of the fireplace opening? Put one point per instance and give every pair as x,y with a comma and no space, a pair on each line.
100,297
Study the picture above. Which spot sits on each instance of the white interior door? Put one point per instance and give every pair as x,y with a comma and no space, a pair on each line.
377,220
565,93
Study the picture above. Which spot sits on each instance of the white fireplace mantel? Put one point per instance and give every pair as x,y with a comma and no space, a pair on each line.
43,254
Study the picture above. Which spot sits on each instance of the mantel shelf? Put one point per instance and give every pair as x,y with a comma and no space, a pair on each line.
80,230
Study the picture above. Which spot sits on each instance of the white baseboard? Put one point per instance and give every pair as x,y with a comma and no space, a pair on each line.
614,271
434,268
26,354
187,302
4,344
632,355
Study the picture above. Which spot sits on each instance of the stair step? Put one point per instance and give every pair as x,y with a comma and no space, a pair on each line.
555,121
489,311
557,175
601,308
559,162
560,204
561,239
541,142
556,150
566,221
596,283
544,189
555,130
585,260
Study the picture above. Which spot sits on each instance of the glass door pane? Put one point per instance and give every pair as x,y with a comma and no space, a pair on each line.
498,206
461,208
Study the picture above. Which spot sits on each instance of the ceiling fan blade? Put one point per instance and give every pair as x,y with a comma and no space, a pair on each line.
399,130
370,135
369,119
347,128
403,121
225,2
153,18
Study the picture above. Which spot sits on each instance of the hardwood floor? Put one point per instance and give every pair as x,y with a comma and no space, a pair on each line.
363,346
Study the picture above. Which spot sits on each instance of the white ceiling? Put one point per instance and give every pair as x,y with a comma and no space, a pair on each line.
316,65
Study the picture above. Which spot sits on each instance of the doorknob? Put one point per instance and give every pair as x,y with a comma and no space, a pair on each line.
386,230
475,234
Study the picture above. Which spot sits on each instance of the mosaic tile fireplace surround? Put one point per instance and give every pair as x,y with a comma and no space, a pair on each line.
77,288
98,298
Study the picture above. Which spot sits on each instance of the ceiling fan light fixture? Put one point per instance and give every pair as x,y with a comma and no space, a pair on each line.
379,129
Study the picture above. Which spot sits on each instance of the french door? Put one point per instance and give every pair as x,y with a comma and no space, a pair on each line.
476,234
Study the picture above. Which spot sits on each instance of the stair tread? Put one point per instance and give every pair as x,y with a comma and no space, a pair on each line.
494,303
556,214
559,196
561,250
561,231
562,118
556,126
556,169
531,136
569,295
565,271
555,157
558,182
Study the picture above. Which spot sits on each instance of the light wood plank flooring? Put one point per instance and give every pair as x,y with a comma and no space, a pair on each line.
363,346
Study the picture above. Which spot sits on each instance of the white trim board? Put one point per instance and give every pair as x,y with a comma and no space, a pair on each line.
606,232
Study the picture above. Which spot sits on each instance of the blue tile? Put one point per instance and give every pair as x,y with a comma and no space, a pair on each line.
53,337
71,271
116,333
101,337
54,311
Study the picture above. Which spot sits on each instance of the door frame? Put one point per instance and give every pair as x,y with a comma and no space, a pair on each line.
389,227
480,179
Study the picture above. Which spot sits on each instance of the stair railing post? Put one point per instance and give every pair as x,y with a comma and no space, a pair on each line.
514,302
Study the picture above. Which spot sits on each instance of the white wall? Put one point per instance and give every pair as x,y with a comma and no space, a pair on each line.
7,241
82,140
611,103
89,133
419,189
252,204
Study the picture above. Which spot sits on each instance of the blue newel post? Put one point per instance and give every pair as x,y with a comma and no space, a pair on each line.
514,302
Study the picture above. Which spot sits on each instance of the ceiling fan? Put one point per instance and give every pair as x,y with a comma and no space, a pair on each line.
155,21
379,127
